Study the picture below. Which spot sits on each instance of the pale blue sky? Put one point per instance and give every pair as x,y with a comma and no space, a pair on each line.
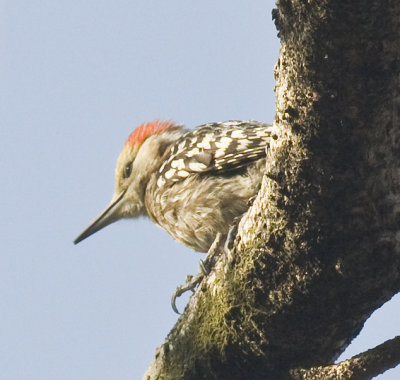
76,78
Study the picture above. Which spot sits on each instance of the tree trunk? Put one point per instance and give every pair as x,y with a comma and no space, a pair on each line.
319,250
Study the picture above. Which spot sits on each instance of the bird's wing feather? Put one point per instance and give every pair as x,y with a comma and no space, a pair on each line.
216,148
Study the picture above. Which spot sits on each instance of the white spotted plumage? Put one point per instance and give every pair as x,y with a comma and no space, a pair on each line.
224,147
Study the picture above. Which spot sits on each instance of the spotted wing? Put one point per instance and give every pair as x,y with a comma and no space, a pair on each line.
216,148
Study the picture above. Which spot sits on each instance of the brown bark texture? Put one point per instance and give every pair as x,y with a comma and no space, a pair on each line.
319,249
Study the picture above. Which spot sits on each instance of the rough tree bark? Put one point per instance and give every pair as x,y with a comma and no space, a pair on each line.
319,250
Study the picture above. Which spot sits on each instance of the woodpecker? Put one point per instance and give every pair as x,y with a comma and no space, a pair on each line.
192,183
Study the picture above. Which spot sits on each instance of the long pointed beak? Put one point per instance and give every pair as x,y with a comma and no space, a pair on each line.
108,216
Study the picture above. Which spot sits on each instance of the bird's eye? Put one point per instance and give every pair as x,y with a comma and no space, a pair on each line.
127,170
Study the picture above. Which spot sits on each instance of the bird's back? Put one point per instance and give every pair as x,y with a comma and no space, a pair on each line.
207,179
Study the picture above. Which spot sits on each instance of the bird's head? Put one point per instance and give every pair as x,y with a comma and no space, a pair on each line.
139,158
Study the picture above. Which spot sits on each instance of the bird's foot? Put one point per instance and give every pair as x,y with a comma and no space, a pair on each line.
207,264
191,283
205,267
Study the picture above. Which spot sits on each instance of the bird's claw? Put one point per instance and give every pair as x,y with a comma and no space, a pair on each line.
191,283
205,265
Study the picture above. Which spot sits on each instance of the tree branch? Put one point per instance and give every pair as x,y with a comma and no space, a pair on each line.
319,250
363,366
